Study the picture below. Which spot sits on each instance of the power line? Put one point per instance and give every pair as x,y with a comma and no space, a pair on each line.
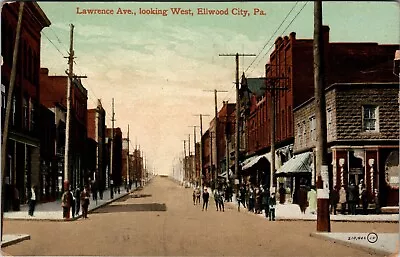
283,31
52,43
272,36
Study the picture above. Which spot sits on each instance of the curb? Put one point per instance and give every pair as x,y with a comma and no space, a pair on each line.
359,221
15,241
367,249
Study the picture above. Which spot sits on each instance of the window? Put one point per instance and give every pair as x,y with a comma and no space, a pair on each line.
32,127
14,108
370,118
312,129
299,132
3,98
329,121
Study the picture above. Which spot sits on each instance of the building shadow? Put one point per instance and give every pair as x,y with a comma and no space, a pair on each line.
143,207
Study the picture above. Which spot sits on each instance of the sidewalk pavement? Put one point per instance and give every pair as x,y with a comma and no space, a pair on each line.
374,243
291,212
52,211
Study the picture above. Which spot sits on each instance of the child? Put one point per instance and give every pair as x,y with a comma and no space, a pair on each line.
272,204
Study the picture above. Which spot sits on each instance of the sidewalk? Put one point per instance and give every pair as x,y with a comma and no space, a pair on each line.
291,212
52,211
374,243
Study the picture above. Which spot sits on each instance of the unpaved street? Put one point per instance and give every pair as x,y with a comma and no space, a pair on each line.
161,220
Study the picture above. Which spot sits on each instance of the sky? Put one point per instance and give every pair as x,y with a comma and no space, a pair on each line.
157,67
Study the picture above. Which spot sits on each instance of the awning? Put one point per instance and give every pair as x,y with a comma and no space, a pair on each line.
224,174
256,160
300,163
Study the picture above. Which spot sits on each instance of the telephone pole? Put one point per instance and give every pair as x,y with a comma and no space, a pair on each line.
271,87
189,161
194,140
216,131
184,161
127,165
8,109
71,76
321,167
112,152
201,147
237,130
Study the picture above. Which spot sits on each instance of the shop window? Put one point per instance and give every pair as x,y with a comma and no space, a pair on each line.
370,118
392,169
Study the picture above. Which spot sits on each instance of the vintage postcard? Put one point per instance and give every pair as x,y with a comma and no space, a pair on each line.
248,128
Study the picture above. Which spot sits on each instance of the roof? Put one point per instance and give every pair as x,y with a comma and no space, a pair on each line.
300,163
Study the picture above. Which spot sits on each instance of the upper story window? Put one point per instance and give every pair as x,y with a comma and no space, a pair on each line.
312,128
299,132
370,120
26,113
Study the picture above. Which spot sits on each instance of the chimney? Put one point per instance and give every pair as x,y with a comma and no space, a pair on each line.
278,42
325,30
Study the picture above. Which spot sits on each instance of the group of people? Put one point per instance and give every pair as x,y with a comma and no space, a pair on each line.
256,199
355,195
218,198
71,202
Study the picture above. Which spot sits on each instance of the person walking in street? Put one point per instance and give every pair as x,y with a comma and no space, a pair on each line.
364,200
216,198
66,202
282,194
342,199
206,196
353,198
251,199
194,197
312,200
258,201
265,202
242,192
272,205
32,201
85,200
221,200
334,199
198,195
77,195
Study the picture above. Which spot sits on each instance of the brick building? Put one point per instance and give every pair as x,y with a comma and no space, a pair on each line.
116,175
96,129
23,146
53,94
362,134
292,62
207,166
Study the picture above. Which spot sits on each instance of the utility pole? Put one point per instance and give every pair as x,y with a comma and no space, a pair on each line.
194,140
323,218
201,148
237,129
8,110
189,161
127,165
184,161
71,76
112,152
216,125
271,87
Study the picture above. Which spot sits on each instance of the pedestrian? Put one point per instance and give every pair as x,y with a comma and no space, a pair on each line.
66,203
265,202
312,200
16,201
272,205
302,198
198,195
221,200
77,195
282,194
334,199
243,196
353,197
258,199
342,199
72,197
85,201
206,196
216,198
376,201
32,201
251,199
364,200
194,197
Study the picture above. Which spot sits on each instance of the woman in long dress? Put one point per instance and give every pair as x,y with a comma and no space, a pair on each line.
312,200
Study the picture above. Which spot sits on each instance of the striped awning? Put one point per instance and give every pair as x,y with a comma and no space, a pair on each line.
300,163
